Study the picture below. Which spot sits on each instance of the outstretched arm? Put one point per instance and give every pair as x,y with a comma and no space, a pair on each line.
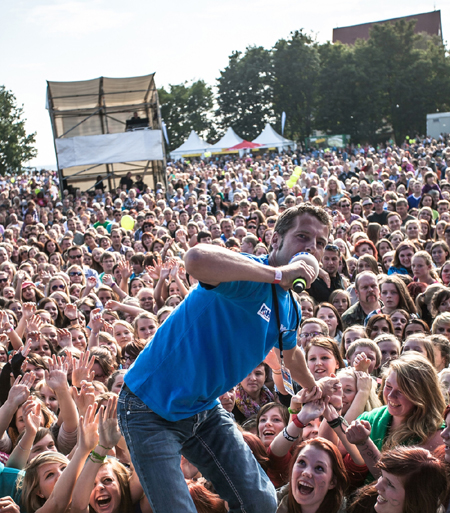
213,265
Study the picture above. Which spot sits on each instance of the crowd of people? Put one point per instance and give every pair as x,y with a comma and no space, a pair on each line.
90,280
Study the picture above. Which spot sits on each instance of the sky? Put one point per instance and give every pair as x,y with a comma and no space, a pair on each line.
62,40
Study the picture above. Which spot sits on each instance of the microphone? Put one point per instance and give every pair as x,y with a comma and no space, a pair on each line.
299,284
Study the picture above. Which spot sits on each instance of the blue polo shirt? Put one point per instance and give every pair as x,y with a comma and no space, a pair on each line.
209,343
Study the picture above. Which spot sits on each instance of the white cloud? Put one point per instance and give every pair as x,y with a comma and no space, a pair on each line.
76,18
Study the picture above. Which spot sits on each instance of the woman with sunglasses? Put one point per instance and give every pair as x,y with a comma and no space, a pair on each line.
57,283
76,275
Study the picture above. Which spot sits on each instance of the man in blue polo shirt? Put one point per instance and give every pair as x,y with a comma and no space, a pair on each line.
222,330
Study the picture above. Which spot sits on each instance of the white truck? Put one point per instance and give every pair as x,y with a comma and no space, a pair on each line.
438,123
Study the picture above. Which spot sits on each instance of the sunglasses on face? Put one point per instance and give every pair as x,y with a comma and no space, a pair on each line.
252,227
74,257
3,280
75,273
56,287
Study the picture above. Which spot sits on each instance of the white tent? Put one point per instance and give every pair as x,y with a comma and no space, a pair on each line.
193,146
229,140
268,138
97,132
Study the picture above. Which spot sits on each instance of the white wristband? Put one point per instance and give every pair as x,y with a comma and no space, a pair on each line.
278,276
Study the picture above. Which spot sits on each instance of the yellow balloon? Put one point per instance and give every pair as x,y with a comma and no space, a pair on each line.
127,222
298,170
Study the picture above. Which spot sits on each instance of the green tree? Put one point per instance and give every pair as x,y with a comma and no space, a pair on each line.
245,94
413,73
186,107
349,98
16,147
296,64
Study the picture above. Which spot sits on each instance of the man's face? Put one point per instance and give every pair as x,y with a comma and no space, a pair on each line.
100,216
442,208
345,207
239,222
307,234
108,264
331,261
394,223
71,225
368,290
116,239
215,231
402,209
227,229
378,204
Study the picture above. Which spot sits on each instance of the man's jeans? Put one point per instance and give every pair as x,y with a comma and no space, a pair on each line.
210,441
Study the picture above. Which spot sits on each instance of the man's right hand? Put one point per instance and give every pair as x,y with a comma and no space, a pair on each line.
298,269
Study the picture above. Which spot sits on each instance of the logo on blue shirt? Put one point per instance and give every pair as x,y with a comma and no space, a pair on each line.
264,312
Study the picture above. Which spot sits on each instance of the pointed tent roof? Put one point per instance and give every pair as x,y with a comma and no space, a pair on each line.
268,137
229,140
193,145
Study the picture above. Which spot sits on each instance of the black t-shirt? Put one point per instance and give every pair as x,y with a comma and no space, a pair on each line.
378,218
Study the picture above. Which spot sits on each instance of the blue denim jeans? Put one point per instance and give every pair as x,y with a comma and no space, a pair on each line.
210,441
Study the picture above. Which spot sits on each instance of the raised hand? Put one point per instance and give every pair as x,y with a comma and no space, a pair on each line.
306,395
71,312
64,338
84,397
91,282
108,327
311,411
96,321
125,269
82,369
56,376
7,505
361,362
108,280
20,391
5,325
112,305
31,412
329,385
28,310
88,429
34,323
108,427
358,432
330,412
155,271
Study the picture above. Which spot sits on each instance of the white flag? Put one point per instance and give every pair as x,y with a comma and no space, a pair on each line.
283,122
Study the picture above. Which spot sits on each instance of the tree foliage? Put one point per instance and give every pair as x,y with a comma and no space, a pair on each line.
296,72
375,88
245,95
186,107
16,147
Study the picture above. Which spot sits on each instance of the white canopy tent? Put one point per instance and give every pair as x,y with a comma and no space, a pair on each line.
229,140
107,127
194,146
268,138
